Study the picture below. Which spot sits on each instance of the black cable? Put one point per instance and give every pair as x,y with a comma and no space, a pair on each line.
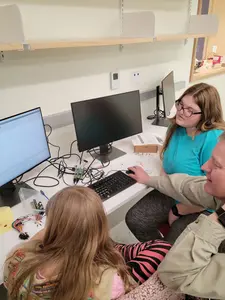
47,135
66,182
47,177
62,167
50,127
55,147
71,146
98,153
38,177
87,173
81,157
18,179
58,168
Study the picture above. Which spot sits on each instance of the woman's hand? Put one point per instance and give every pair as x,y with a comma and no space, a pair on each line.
139,175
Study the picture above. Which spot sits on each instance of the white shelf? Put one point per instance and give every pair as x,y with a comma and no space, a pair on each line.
137,28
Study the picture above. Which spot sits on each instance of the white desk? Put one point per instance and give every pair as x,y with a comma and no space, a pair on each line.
63,137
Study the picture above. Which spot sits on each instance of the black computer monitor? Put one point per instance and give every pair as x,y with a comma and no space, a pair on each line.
101,121
167,91
24,145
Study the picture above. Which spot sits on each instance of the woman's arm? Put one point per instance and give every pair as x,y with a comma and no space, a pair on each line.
186,210
193,265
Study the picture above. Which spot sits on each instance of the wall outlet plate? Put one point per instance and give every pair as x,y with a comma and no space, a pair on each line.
136,79
214,49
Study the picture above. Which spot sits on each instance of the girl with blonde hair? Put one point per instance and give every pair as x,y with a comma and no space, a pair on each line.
74,258
189,143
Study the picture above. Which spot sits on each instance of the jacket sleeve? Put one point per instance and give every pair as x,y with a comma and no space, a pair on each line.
188,189
193,265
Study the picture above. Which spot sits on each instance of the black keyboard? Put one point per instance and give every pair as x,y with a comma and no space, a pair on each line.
112,185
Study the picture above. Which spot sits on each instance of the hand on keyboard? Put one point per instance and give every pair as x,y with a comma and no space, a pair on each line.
139,175
112,185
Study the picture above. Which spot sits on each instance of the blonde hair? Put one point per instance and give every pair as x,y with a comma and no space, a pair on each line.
208,99
77,241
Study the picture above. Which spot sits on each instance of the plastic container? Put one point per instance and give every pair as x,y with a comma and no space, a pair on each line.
27,196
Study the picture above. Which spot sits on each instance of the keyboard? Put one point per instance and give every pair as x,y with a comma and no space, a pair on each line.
112,185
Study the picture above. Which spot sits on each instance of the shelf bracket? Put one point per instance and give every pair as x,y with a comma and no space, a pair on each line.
26,47
2,56
121,47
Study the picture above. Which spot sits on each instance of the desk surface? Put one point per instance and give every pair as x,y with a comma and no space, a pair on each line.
63,137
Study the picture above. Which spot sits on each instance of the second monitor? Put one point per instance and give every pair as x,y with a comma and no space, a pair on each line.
101,121
167,90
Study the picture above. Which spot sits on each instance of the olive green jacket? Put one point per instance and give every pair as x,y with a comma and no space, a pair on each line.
193,266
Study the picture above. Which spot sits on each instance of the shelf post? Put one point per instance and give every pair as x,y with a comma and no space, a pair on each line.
189,18
121,22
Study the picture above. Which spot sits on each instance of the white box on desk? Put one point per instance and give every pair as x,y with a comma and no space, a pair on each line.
147,143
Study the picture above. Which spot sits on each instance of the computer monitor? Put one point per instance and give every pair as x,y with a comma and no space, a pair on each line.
24,145
101,121
167,91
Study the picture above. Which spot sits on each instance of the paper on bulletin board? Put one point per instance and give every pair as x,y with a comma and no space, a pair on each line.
6,219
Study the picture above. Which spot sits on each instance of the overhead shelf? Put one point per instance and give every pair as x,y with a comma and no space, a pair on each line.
203,74
87,43
138,27
38,45
176,37
11,47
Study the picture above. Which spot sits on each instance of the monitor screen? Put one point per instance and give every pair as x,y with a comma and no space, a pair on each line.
23,144
104,120
168,88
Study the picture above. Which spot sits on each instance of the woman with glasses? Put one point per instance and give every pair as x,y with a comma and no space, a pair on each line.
190,139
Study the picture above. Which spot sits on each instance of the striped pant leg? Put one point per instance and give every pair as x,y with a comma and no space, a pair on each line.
143,259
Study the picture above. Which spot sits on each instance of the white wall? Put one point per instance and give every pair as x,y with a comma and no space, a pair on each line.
53,79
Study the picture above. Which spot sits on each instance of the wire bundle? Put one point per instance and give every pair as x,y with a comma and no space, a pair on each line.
86,175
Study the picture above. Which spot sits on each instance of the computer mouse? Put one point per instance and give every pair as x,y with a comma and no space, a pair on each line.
130,172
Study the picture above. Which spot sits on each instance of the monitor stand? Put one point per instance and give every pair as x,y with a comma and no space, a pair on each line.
159,116
107,153
9,193
161,122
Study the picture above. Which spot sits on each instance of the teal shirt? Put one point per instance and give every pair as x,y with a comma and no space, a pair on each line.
187,155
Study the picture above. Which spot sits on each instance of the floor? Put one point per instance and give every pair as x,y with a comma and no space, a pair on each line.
121,234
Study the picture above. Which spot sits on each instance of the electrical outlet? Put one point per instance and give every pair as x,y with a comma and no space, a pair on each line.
136,77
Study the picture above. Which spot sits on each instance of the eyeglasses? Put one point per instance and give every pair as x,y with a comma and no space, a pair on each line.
187,111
